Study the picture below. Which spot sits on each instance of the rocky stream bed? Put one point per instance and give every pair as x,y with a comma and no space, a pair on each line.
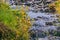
44,26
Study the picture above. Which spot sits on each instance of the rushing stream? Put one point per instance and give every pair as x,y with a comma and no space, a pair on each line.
42,24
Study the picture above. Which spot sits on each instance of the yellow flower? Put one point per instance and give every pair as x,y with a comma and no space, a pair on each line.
28,19
58,0
51,4
29,22
20,20
17,32
17,17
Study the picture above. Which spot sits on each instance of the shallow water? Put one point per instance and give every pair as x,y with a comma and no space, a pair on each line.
40,23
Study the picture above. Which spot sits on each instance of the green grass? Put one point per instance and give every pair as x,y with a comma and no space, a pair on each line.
9,18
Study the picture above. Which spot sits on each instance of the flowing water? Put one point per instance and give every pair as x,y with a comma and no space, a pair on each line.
42,24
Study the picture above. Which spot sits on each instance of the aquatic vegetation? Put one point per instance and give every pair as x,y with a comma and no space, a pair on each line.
15,20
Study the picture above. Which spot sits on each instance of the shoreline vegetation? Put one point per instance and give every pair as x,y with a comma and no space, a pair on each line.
14,24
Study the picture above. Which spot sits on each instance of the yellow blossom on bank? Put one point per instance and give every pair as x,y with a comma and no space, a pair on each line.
56,5
16,23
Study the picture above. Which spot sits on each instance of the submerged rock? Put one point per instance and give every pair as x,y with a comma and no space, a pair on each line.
49,23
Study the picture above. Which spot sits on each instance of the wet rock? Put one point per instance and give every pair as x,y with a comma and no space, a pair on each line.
57,33
39,34
41,10
52,32
49,23
35,19
42,34
35,24
46,10
58,28
39,17
54,22
53,38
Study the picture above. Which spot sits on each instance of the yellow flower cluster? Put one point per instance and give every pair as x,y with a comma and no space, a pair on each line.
56,4
24,23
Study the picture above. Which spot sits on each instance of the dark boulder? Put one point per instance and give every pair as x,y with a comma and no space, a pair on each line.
49,23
